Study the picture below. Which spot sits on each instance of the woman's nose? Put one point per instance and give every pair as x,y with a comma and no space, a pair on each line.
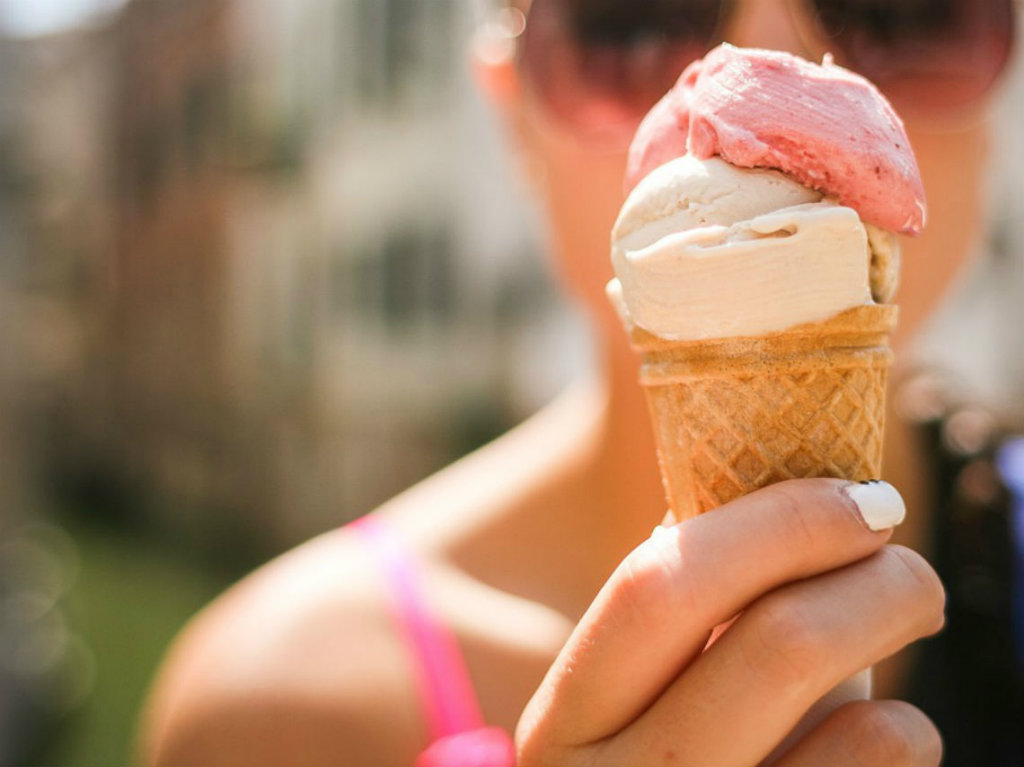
767,24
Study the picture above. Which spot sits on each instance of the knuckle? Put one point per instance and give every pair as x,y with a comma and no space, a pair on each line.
647,580
928,747
785,641
527,744
797,518
930,595
932,748
530,751
889,732
533,746
877,737
661,576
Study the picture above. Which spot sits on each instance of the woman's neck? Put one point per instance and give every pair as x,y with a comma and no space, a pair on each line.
625,468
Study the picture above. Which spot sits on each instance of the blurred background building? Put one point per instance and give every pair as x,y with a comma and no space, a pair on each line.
276,323
262,265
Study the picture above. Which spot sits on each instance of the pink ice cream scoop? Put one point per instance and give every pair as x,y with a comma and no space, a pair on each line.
822,125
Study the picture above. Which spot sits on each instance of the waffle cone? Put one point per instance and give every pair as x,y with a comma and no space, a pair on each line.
734,415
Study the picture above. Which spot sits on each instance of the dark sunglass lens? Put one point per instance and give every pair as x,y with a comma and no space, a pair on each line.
885,22
935,53
601,64
623,23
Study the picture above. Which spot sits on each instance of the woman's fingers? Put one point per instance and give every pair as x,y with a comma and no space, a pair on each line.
867,734
784,652
656,611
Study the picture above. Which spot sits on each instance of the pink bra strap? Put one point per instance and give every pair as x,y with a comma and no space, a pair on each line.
446,689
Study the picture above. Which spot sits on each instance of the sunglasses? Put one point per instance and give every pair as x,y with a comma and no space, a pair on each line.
598,66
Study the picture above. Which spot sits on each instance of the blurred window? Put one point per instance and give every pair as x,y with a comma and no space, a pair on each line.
399,259
441,276
402,51
149,160
409,281
203,117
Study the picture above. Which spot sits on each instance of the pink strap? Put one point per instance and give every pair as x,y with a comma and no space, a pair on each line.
445,687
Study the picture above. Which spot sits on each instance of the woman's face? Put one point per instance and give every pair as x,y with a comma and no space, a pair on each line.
581,184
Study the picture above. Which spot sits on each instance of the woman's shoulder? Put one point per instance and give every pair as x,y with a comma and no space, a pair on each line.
303,658
299,662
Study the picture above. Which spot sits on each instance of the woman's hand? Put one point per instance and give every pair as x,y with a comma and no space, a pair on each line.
819,596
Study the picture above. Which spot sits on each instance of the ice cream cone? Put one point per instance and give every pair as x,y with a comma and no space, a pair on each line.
733,415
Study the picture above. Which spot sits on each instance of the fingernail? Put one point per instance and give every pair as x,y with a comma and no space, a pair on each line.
880,505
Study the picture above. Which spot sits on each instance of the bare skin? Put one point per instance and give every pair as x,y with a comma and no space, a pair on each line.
300,662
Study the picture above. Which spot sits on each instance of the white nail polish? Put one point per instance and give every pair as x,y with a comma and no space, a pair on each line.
879,503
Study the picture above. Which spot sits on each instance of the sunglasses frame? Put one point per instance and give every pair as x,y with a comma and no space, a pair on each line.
505,24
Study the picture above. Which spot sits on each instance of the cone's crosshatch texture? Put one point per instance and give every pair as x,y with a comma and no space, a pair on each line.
736,414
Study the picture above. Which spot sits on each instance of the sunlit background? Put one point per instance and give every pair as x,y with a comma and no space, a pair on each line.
262,265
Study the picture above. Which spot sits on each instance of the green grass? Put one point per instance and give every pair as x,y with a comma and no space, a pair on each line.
131,597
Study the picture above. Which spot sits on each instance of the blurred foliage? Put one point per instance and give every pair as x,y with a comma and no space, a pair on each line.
133,593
